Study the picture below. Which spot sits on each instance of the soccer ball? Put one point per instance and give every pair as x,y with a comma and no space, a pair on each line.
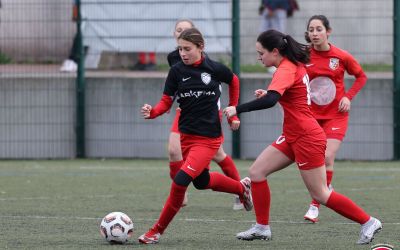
116,227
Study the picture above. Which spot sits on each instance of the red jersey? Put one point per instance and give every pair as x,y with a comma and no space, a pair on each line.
291,81
333,64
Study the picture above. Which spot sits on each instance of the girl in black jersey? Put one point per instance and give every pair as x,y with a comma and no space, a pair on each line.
196,82
174,146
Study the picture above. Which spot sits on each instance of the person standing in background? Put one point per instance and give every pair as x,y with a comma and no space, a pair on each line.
146,61
71,64
274,14
330,101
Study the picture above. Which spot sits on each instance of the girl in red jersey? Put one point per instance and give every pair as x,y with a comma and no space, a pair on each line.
303,141
330,102
174,146
196,83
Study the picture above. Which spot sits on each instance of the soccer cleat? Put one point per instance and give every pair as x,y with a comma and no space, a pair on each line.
312,214
185,200
237,204
368,231
256,232
151,237
247,200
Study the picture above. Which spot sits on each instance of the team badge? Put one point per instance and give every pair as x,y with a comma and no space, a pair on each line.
206,78
382,247
334,63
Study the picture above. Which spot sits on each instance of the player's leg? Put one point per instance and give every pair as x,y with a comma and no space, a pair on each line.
229,168
197,154
315,180
175,151
335,131
219,182
269,161
311,150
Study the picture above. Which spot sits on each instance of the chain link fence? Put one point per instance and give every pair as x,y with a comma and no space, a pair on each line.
38,104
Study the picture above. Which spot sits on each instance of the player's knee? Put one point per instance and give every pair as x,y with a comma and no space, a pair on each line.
201,182
329,159
182,178
321,196
255,173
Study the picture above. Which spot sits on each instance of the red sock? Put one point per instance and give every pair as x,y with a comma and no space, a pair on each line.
174,167
142,58
261,201
152,57
221,183
228,167
347,208
171,207
329,176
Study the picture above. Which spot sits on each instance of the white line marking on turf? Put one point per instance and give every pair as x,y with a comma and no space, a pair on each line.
205,220
197,193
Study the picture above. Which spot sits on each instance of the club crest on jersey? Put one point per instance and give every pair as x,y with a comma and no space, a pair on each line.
334,63
206,78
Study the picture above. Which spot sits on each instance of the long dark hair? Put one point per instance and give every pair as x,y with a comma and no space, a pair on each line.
324,20
287,46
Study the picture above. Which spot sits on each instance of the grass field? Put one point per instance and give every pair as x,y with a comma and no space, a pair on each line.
59,205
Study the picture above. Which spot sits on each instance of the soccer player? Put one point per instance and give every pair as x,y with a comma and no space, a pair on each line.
196,83
174,146
330,102
302,141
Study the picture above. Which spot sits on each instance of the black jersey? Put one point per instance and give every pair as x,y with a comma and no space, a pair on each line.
198,89
174,57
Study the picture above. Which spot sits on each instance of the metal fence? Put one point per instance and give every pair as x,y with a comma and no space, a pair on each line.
39,114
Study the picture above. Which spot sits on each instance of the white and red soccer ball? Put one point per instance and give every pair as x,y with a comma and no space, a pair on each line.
116,227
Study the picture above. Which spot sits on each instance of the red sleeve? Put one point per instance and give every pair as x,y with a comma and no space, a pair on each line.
161,107
234,90
353,68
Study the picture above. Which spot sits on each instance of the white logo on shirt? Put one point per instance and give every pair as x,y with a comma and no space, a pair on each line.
205,77
335,129
189,167
309,65
185,79
302,164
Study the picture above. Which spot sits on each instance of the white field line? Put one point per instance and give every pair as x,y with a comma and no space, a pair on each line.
108,196
200,220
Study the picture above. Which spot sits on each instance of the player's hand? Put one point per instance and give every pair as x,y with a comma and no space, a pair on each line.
235,124
146,109
260,93
344,104
230,111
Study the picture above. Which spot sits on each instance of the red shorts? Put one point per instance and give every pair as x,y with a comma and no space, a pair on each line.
197,152
335,128
175,123
307,151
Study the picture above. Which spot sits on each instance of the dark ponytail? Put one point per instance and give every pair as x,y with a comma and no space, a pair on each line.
287,46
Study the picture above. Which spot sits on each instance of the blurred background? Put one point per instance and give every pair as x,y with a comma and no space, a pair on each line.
74,74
